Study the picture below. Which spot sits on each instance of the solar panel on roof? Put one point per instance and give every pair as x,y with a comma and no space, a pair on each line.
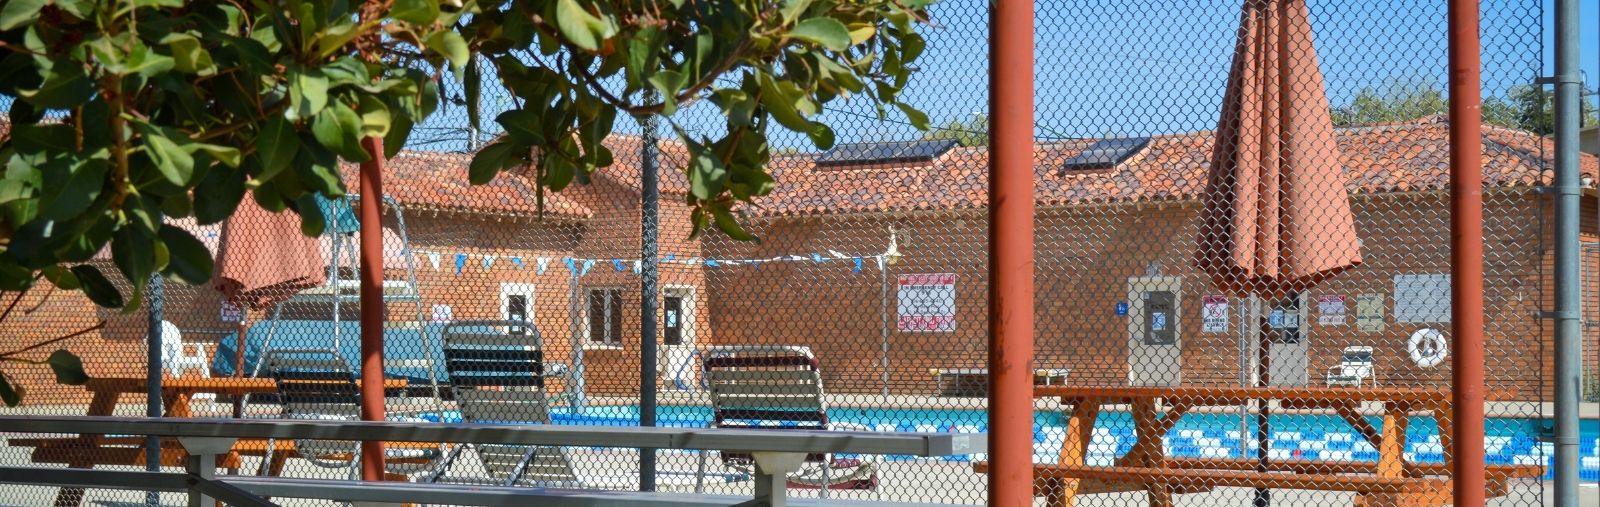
1106,153
895,151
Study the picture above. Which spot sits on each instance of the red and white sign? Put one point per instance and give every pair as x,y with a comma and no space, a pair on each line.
927,303
1214,313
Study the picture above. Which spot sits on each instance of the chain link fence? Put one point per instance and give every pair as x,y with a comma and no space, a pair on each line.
1171,369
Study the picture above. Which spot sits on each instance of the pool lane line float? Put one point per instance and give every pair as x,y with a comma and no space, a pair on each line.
1427,347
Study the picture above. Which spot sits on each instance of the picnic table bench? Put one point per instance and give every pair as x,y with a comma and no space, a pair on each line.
177,395
776,452
1391,481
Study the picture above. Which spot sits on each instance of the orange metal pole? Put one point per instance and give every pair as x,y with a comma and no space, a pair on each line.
1466,252
372,304
1011,267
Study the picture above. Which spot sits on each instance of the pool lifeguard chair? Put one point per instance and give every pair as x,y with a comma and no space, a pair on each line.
1355,368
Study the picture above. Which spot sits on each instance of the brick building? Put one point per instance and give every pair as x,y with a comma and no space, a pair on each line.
1108,231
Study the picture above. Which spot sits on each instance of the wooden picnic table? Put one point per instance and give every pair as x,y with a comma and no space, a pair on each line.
177,394
1392,481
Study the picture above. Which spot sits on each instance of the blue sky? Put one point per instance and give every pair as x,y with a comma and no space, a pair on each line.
1141,67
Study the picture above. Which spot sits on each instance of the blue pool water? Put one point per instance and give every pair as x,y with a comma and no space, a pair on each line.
1295,436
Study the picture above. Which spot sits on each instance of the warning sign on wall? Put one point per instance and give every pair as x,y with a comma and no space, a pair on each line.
927,303
1214,313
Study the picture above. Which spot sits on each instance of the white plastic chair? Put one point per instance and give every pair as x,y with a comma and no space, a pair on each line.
1354,368
175,356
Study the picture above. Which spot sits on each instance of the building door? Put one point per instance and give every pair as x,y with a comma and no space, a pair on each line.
1155,340
677,337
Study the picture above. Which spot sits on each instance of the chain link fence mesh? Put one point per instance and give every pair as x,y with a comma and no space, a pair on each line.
863,305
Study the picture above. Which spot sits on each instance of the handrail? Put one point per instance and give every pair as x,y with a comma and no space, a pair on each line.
719,439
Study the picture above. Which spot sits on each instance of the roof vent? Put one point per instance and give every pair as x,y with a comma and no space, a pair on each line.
1106,153
878,153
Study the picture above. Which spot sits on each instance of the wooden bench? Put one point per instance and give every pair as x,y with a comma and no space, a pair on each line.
1424,486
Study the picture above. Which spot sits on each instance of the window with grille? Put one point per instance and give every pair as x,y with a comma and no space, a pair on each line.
605,317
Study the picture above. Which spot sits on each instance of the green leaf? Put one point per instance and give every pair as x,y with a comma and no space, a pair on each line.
225,154
276,145
11,395
793,8
175,164
473,83
190,260
918,118
308,94
188,55
134,256
65,86
454,48
218,194
525,127
375,118
489,161
826,32
668,83
68,199
338,128
399,132
68,368
421,12
707,176
17,13
728,225
582,28
96,287
61,277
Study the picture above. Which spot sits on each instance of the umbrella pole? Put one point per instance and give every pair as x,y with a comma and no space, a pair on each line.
1263,496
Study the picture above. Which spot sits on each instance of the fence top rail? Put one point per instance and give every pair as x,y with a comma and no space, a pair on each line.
775,440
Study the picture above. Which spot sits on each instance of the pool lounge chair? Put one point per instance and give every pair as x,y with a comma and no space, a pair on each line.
498,373
318,384
1354,368
777,387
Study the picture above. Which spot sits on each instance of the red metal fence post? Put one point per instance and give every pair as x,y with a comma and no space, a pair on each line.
372,303
1466,252
1011,267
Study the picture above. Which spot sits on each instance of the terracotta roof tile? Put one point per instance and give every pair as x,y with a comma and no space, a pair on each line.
1384,158
438,180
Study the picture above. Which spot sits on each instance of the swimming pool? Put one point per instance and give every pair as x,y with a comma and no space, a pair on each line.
1211,435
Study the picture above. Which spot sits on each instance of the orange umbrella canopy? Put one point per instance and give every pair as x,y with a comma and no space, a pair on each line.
263,258
1277,215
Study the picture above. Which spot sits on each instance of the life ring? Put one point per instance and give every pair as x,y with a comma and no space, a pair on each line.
1428,348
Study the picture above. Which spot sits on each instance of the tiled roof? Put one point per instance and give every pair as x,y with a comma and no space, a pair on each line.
428,180
1384,158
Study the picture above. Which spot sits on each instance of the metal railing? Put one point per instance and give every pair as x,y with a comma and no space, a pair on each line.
776,452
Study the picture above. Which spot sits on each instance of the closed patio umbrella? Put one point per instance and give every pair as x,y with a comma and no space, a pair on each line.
262,258
1276,216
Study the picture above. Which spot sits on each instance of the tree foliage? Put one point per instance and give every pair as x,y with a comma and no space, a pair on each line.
759,62
1526,107
126,111
970,131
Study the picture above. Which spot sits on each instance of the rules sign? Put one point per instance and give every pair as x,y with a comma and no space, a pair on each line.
927,303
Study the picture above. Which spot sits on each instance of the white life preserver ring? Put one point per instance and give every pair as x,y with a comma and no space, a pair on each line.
1428,348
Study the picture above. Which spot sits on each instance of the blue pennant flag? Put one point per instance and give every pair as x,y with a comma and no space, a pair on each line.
571,265
518,261
816,257
858,265
587,265
668,258
712,263
461,262
617,263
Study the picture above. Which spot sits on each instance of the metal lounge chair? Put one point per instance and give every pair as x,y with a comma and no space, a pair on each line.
1354,369
777,387
318,384
497,374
